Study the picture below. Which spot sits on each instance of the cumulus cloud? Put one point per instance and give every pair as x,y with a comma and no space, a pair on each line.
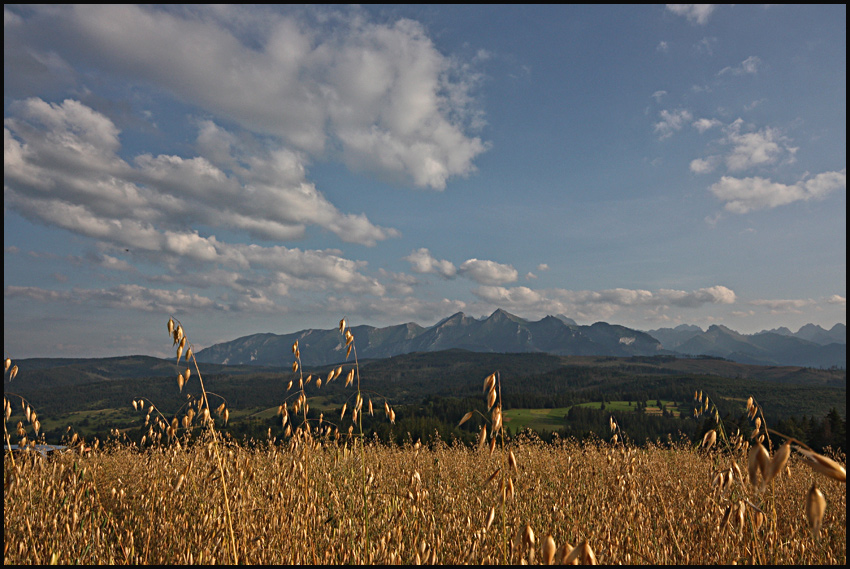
837,299
400,284
703,125
751,149
62,167
710,295
514,297
747,148
671,122
488,272
421,261
742,195
482,272
270,91
703,165
695,13
380,93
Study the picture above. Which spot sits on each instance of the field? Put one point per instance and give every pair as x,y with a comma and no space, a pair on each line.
536,419
553,419
308,502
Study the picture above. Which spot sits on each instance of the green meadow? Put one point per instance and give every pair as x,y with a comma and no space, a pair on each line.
554,419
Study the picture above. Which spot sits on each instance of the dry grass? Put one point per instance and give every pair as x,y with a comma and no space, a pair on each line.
630,505
323,498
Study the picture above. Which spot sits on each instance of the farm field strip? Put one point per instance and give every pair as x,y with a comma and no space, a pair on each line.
553,419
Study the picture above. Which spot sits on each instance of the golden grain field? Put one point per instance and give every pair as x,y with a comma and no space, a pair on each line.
302,503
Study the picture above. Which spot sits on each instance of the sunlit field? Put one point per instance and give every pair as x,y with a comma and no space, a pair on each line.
303,502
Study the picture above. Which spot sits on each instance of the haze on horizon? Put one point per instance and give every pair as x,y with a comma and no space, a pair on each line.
275,168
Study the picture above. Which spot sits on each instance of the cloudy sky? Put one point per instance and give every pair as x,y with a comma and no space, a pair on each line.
260,169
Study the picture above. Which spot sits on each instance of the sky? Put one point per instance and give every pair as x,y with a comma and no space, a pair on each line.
251,169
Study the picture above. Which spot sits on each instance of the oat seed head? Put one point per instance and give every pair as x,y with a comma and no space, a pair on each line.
824,465
777,463
815,508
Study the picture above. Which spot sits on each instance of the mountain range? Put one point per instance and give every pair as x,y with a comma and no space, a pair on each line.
502,332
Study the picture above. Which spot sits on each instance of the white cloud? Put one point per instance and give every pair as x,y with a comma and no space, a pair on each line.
658,95
421,261
671,122
598,304
703,125
380,93
749,66
400,284
752,149
114,263
747,150
488,272
710,295
695,13
703,165
662,46
542,267
792,306
62,167
750,194
837,299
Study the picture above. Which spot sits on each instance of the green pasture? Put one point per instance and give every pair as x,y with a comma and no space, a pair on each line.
95,419
624,407
536,419
553,419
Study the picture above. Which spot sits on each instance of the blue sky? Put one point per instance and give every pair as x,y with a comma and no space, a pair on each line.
271,169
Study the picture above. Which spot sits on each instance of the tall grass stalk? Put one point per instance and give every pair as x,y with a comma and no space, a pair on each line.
351,348
175,329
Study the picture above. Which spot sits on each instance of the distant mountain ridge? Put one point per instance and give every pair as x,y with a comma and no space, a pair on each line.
672,338
503,332
811,346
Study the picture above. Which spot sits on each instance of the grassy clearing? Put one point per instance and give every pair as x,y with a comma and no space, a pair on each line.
535,419
100,419
553,419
